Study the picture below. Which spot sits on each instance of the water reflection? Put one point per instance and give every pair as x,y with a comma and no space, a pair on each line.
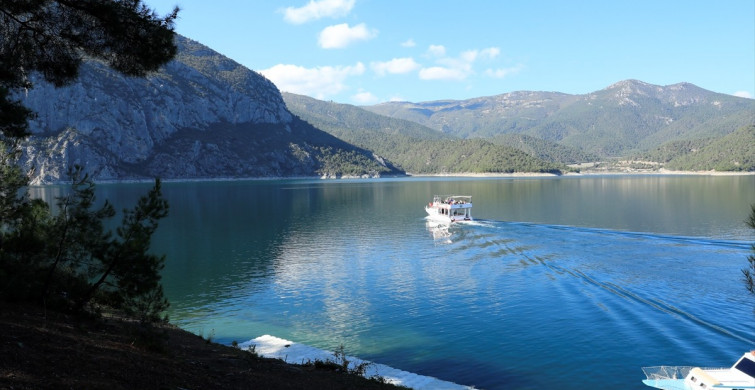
552,267
439,231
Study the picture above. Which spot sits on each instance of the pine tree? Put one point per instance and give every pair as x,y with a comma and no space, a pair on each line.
126,268
68,258
749,271
52,37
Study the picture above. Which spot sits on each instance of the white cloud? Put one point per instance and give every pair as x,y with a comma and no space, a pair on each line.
436,50
469,56
461,67
319,82
395,66
408,43
743,94
503,72
317,10
341,35
364,97
490,53
441,73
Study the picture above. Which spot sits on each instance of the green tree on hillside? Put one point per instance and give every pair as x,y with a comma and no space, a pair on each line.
749,271
52,37
67,257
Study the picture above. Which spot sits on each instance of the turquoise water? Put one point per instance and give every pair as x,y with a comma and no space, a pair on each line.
566,283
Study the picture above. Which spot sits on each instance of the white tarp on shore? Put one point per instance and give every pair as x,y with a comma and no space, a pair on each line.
291,352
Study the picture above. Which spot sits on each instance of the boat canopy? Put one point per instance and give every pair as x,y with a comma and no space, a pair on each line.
452,199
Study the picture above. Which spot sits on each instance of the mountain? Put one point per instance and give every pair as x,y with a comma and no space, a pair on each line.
205,116
627,117
732,152
201,116
545,150
412,147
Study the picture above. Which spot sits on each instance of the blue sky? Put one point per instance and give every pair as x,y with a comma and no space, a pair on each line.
372,51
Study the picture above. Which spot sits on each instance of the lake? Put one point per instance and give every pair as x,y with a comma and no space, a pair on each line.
564,282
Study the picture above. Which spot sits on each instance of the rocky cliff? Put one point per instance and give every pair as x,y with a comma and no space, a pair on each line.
203,115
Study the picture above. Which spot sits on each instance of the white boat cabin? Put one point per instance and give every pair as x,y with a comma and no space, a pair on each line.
450,208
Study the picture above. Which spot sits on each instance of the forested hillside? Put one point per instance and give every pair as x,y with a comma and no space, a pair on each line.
545,150
733,152
625,118
412,147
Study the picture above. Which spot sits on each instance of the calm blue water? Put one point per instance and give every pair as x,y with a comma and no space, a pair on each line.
565,283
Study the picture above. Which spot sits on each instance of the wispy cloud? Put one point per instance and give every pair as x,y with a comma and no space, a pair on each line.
364,97
490,53
743,94
319,82
455,68
441,73
341,35
395,66
436,50
317,10
408,43
500,73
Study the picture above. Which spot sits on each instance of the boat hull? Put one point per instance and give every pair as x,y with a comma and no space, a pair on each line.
436,215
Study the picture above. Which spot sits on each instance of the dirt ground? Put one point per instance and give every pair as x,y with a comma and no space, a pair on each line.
48,350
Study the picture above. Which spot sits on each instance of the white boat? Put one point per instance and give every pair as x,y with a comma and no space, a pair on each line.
450,208
740,376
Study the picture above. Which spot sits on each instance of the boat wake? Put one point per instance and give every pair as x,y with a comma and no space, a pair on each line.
653,275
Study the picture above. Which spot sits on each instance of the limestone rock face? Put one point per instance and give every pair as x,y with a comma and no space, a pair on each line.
201,116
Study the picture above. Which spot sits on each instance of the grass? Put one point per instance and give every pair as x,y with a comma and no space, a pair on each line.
342,364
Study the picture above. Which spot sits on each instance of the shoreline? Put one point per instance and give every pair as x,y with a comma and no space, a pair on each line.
300,354
660,172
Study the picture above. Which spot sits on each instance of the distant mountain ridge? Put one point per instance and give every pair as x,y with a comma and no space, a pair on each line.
626,117
415,148
201,116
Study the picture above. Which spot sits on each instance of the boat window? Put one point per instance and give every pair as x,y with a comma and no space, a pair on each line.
693,379
747,366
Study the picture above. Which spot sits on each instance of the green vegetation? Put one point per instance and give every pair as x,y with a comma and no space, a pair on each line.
626,118
66,259
466,156
342,364
733,152
63,256
544,150
261,150
673,150
749,271
52,37
411,147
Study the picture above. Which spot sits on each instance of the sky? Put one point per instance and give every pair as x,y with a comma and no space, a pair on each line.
366,52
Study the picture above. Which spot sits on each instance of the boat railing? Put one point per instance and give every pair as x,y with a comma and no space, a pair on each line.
445,199
667,372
